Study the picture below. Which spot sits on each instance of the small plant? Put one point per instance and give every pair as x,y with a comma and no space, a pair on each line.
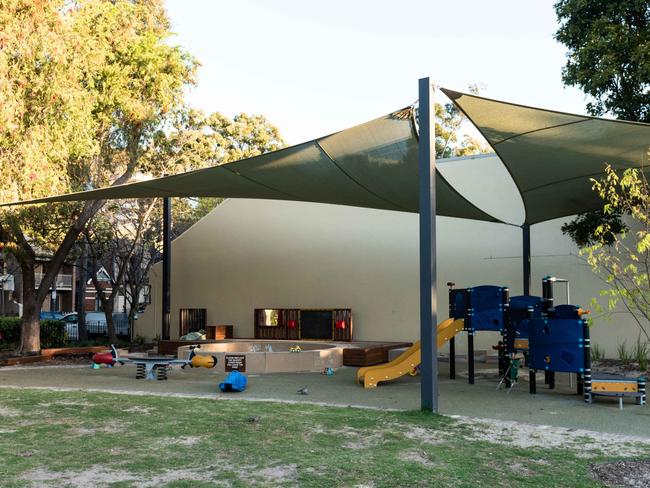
625,355
597,353
640,353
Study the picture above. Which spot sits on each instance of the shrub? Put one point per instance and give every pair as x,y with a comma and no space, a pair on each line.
640,354
52,332
624,354
597,353
10,331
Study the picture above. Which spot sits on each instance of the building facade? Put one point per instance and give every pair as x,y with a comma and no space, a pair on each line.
250,254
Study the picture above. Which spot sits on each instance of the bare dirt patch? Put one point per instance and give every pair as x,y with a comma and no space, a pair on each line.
68,403
279,474
100,476
356,439
586,443
519,468
140,409
180,441
428,436
9,412
171,475
417,457
110,428
95,476
623,473
364,442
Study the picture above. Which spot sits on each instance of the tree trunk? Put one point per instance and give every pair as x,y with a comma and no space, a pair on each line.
81,295
30,332
33,298
107,306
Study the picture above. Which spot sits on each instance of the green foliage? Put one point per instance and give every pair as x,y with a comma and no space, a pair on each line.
449,121
597,352
609,54
582,229
196,141
608,59
85,87
640,353
625,355
10,330
52,332
621,256
450,139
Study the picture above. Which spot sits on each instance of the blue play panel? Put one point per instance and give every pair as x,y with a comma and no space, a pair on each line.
482,307
559,345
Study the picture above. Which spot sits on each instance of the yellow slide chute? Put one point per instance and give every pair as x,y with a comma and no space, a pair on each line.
406,362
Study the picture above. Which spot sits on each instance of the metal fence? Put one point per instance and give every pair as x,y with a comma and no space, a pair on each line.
98,330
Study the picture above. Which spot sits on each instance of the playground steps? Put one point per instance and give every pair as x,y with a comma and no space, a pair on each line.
371,354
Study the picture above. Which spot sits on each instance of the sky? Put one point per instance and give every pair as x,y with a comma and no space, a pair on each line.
313,68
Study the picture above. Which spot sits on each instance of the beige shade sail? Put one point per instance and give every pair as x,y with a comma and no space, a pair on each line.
373,165
551,156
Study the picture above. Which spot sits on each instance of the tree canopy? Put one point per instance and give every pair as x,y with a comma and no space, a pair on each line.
84,87
608,58
608,54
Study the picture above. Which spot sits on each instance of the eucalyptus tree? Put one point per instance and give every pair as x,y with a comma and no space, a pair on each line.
84,87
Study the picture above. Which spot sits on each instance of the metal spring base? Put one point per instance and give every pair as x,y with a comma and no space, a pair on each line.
161,373
140,372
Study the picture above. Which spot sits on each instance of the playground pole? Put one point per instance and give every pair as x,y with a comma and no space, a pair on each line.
526,248
167,264
428,274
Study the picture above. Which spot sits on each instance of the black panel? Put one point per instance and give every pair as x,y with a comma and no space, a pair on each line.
316,324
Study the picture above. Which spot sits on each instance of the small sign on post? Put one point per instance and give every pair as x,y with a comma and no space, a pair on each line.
234,362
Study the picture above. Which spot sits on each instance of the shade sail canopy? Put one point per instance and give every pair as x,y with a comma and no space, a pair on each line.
552,155
372,165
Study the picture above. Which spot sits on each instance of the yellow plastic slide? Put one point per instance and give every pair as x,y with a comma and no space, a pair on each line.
408,360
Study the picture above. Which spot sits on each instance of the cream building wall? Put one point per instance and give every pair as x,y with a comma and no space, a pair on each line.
249,254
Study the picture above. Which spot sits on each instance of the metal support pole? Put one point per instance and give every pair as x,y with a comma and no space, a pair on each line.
526,248
428,274
452,358
167,245
470,356
532,382
586,344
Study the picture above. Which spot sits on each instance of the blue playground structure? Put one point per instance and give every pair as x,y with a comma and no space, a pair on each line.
482,308
551,338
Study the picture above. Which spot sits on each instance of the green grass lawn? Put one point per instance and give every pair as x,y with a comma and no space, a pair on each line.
98,439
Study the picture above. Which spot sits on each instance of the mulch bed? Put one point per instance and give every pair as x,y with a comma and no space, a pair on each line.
623,473
615,366
48,355
74,360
